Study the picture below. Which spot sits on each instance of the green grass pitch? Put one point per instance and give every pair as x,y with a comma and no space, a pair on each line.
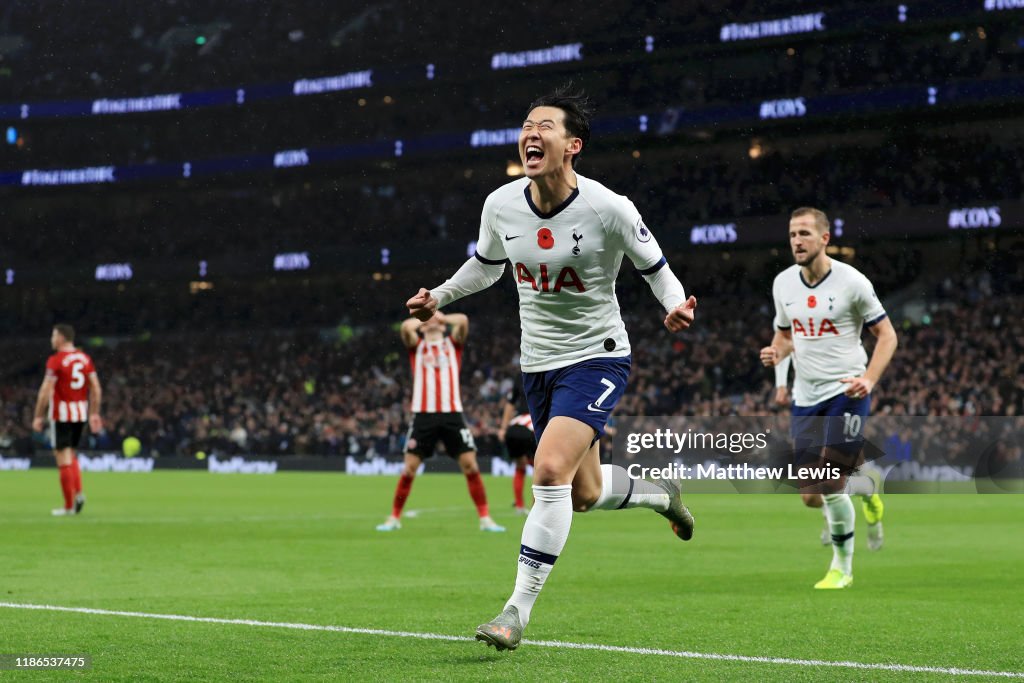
301,548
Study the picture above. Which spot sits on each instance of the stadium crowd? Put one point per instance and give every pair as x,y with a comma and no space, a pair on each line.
674,188
346,391
127,49
241,368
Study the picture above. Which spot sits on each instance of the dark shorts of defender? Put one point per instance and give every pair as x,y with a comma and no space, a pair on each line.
66,434
520,441
587,391
836,423
448,428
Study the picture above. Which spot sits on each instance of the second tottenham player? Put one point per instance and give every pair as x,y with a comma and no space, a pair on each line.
821,308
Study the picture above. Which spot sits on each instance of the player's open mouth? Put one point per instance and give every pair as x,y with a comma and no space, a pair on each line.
534,155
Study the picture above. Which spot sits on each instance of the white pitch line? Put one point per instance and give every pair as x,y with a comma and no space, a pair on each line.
908,668
242,519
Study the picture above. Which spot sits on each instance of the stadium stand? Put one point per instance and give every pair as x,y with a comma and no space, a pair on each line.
210,349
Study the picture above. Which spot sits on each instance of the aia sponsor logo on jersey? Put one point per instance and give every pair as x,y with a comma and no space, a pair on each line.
566,278
824,327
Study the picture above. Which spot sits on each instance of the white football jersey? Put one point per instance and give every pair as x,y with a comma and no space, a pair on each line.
564,264
826,321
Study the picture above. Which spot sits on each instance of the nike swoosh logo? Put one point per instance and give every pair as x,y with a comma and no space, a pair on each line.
509,239
531,554
789,303
590,407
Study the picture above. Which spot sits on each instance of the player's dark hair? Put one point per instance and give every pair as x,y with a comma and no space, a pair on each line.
65,331
820,219
577,110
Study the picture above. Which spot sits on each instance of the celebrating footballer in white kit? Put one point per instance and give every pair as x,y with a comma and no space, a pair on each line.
564,236
821,308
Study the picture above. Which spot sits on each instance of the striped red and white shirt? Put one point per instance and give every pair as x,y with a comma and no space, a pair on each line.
435,372
70,402
525,420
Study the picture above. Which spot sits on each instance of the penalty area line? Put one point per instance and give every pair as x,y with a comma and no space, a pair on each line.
555,644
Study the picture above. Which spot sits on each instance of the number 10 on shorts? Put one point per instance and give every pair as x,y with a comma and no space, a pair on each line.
851,426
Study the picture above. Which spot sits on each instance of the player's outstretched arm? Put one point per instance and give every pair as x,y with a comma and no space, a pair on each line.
885,346
681,317
665,286
476,274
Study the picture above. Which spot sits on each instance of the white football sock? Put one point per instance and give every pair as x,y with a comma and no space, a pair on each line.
544,535
620,491
841,516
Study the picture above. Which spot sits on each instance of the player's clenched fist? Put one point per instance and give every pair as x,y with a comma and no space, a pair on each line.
681,317
422,306
769,356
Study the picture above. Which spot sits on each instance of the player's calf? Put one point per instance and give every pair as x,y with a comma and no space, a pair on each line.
584,497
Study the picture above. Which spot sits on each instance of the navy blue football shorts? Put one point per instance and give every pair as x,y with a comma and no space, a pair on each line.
587,391
836,423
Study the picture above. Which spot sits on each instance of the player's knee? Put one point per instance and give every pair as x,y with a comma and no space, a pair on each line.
467,461
409,472
548,475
